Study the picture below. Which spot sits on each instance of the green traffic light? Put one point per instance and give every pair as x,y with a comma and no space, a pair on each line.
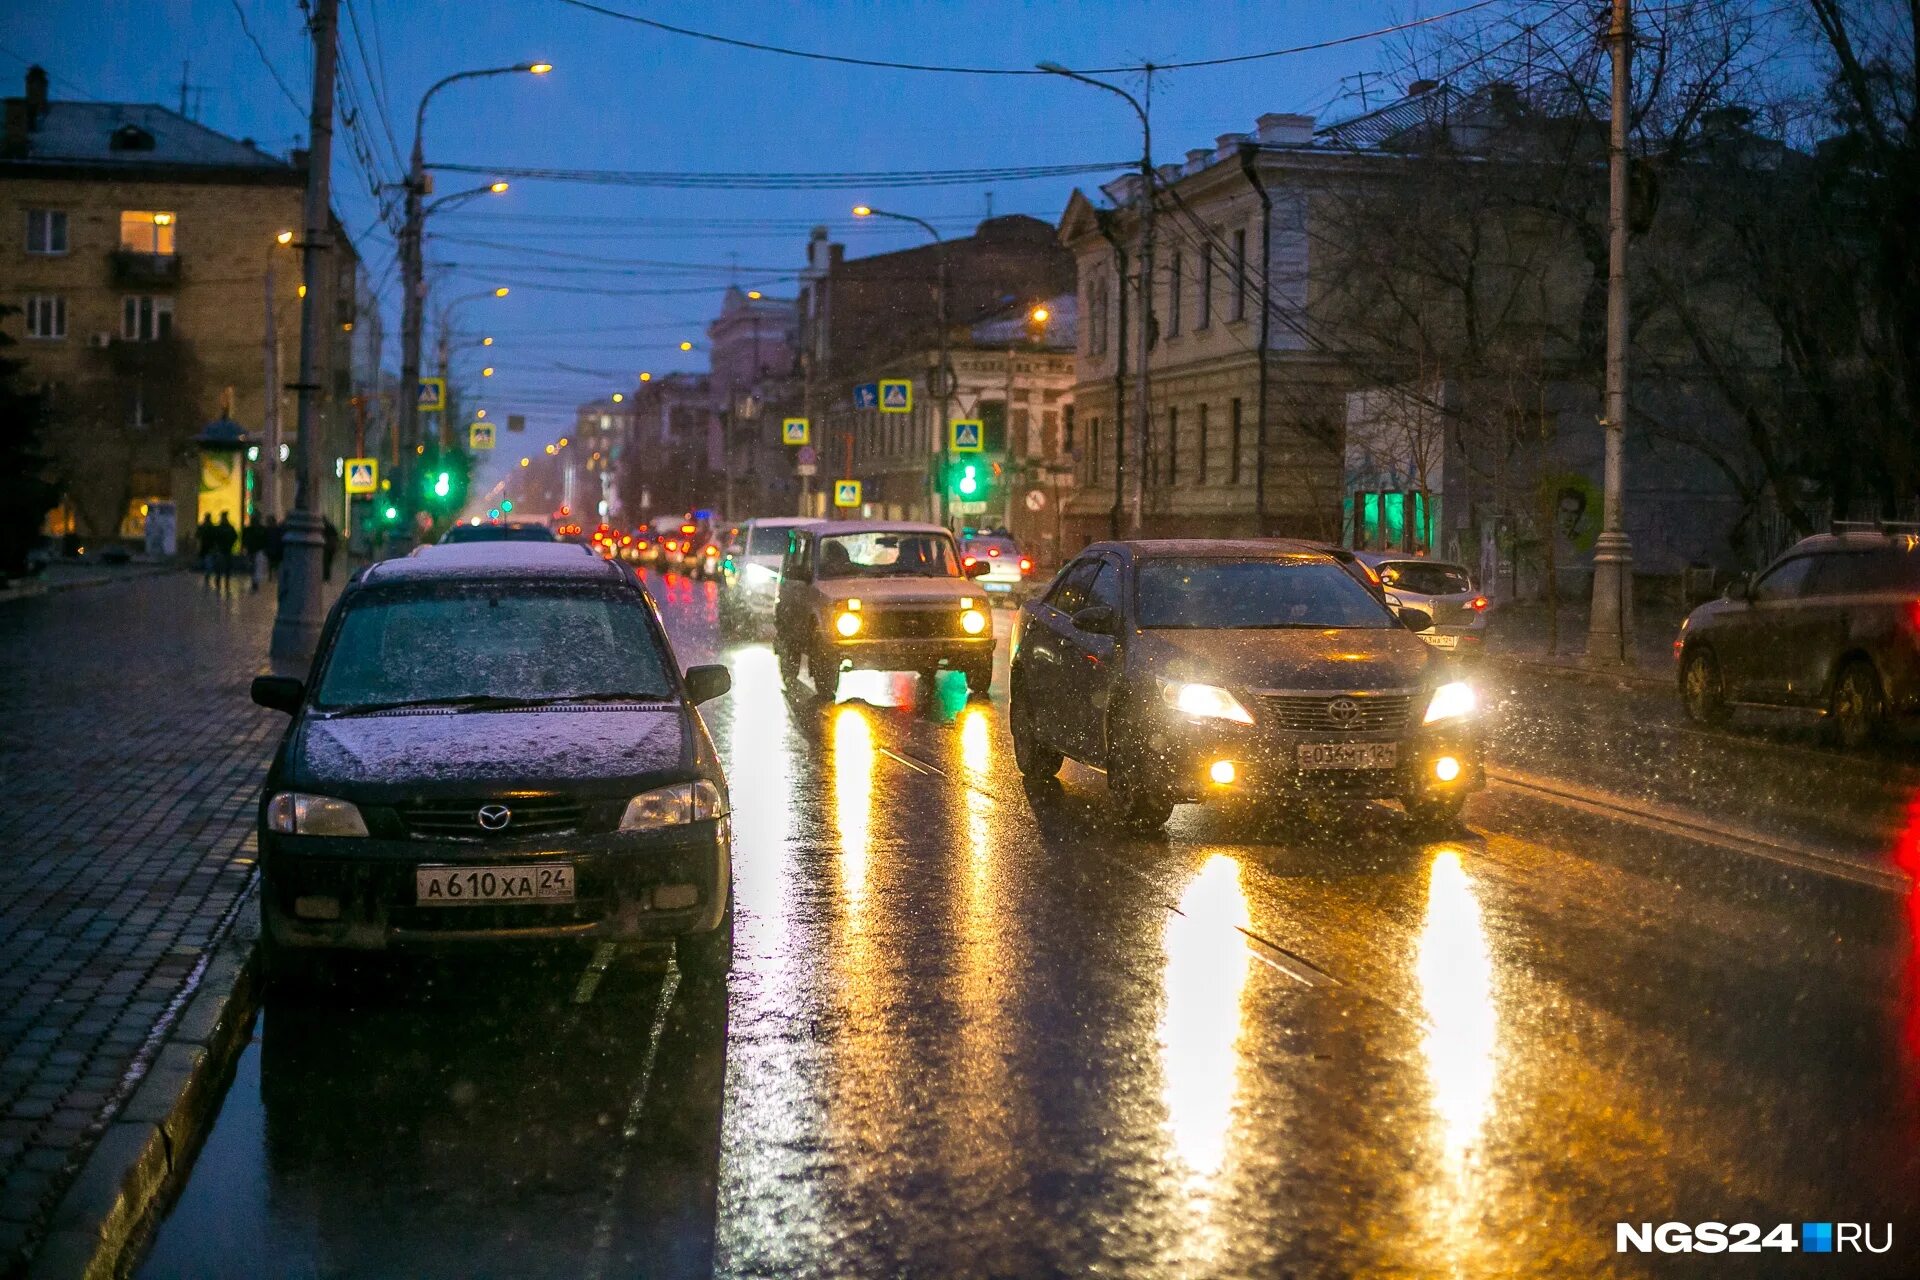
442,485
969,483
393,513
506,504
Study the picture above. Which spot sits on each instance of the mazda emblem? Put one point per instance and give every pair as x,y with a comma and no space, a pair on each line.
1343,710
493,817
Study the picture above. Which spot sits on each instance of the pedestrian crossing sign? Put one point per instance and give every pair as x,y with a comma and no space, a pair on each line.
795,431
896,395
433,395
363,475
966,435
479,435
846,493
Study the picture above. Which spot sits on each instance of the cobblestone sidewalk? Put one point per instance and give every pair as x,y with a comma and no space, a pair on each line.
129,764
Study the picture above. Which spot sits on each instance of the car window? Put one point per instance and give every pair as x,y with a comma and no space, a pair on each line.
995,547
498,533
1864,572
493,640
1223,594
1106,586
1070,592
884,554
1426,577
766,542
1786,581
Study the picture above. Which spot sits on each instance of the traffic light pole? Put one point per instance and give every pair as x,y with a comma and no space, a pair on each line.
296,627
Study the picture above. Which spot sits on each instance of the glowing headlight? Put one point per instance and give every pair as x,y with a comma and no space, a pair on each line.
673,806
1451,701
973,622
1204,702
847,624
294,813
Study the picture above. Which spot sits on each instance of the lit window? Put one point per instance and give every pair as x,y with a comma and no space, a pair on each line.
143,231
46,231
46,317
146,317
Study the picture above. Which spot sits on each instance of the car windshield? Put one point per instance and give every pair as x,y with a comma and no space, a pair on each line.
767,540
1426,577
494,642
1227,594
887,554
499,533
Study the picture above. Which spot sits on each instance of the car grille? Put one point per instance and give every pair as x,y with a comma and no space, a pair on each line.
1313,712
459,819
910,624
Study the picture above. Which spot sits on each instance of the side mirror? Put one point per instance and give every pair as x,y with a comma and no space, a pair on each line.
1414,619
278,693
1739,588
704,684
1097,620
978,569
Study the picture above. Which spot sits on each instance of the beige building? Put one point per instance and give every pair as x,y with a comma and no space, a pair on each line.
154,272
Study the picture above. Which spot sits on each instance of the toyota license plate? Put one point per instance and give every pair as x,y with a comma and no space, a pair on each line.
1349,755
462,886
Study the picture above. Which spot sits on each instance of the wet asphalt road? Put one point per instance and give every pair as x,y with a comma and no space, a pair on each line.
974,1030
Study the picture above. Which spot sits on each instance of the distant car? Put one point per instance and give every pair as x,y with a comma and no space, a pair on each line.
494,744
1440,588
497,531
1193,670
1007,566
750,574
1831,626
874,595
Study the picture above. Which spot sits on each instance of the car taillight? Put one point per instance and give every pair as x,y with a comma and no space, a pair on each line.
1477,603
712,550
1026,565
1913,615
969,561
993,551
626,540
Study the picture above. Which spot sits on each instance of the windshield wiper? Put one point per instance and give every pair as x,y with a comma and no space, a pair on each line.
494,702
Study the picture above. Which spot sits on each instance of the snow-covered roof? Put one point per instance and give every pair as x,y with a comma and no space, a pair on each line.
83,133
495,560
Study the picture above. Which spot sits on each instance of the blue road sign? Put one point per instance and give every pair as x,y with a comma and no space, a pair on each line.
966,435
866,396
896,395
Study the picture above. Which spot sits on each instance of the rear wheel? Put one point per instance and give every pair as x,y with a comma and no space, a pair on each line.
1035,760
709,954
1858,711
1703,689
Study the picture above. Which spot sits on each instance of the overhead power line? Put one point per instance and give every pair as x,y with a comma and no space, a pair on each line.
272,70
885,64
876,181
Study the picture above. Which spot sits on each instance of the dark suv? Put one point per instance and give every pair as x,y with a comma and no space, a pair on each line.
495,744
1833,626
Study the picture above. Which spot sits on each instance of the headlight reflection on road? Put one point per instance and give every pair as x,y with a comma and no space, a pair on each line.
1455,970
853,764
1207,966
757,765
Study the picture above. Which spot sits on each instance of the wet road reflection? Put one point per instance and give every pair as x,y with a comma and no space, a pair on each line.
1206,974
1455,974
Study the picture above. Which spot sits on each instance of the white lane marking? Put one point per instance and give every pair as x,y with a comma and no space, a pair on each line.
596,1266
1672,821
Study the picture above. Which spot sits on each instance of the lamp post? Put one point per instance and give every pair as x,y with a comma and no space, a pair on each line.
942,393
412,264
444,353
1610,624
1142,411
270,432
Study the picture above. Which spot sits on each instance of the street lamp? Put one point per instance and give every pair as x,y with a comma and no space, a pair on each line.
942,373
412,257
686,346
1142,413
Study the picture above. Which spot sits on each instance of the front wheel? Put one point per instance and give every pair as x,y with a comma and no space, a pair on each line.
709,954
1859,708
824,667
1140,801
1703,689
1034,759
789,659
980,677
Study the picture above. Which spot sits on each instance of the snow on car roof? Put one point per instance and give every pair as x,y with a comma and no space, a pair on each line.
495,560
833,528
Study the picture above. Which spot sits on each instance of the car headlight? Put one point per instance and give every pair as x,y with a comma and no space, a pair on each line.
758,575
1451,702
847,624
1204,702
294,813
673,806
973,622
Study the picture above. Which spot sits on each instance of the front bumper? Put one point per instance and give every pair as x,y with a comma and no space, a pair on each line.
1266,762
903,654
368,886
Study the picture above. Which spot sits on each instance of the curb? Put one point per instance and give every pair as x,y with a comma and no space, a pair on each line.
34,590
146,1150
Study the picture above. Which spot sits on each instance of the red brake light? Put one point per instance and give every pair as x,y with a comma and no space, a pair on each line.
993,551
626,539
712,550
1913,614
1477,603
969,560
687,528
1026,565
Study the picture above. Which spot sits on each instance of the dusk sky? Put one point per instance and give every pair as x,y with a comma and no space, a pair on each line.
582,259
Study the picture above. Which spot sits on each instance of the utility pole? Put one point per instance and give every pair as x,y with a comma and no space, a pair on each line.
296,628
1143,389
1610,625
270,413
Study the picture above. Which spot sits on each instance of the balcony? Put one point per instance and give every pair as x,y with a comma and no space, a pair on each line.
144,270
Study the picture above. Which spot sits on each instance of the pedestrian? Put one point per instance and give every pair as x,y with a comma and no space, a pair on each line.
329,547
253,544
224,538
276,544
203,547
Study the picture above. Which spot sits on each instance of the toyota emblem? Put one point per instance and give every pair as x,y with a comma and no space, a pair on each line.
493,817
1343,710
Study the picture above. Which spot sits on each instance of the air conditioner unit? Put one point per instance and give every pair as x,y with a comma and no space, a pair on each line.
100,341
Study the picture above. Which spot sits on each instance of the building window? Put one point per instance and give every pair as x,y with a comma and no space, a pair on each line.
1206,287
46,317
1066,431
1173,445
1173,295
1097,467
146,317
1233,443
1240,274
142,231
1202,427
46,231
